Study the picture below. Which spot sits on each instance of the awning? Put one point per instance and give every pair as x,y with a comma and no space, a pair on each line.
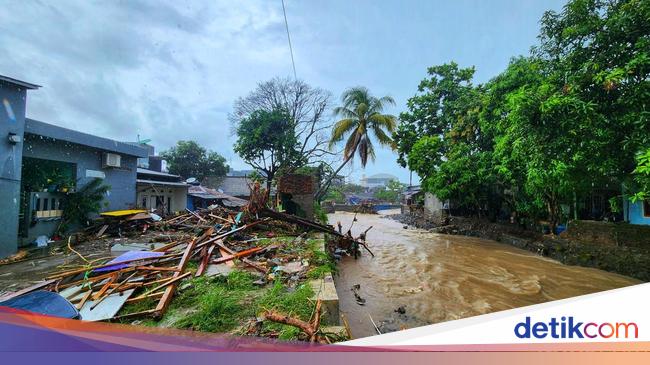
161,183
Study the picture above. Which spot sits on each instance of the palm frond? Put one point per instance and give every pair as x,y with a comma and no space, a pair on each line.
381,136
351,145
340,128
345,112
387,100
366,150
387,121
354,96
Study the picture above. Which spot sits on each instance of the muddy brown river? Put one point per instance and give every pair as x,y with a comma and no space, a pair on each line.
436,278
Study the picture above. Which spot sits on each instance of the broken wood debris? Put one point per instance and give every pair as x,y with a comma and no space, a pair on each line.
209,237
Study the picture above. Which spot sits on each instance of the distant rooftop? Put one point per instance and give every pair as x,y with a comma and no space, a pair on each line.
382,176
25,84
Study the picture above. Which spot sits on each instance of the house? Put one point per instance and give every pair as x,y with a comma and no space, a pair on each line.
157,189
637,212
160,192
377,180
41,164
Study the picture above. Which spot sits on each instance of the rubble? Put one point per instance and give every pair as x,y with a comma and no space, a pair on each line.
153,268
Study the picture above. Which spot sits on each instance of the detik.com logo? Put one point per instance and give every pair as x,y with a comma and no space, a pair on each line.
568,327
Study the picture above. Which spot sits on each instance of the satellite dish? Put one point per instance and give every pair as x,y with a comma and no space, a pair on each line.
191,180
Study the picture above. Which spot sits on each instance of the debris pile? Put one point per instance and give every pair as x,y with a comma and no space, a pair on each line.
205,242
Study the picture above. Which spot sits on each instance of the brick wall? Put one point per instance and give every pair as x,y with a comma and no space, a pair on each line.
296,184
301,188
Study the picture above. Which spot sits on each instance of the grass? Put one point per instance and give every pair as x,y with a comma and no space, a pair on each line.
227,304
296,302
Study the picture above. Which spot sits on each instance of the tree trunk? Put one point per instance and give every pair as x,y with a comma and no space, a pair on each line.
323,189
269,182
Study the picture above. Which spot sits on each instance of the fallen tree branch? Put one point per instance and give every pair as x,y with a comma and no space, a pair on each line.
308,328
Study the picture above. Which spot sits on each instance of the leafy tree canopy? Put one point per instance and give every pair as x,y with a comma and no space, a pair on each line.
189,159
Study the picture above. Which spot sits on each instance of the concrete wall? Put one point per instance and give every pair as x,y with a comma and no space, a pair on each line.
88,160
12,120
432,204
634,213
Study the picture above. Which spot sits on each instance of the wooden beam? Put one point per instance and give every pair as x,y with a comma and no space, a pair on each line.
163,304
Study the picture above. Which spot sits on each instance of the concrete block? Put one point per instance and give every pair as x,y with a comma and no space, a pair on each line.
325,290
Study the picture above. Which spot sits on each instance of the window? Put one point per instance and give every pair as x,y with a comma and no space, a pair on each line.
646,208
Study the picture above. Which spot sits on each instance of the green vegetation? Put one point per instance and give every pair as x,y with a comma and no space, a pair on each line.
232,303
570,117
279,127
642,176
188,159
319,214
362,118
391,193
267,141
80,204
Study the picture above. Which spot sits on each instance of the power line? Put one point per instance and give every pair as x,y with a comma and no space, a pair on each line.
286,24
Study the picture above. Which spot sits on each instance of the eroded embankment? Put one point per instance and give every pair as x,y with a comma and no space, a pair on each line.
628,260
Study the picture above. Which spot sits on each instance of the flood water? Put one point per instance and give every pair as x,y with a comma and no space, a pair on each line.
437,278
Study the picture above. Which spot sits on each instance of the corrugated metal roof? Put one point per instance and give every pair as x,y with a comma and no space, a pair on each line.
207,193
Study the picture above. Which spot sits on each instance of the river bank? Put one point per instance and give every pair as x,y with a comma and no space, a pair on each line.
633,261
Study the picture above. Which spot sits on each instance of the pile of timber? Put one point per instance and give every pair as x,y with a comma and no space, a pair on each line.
99,290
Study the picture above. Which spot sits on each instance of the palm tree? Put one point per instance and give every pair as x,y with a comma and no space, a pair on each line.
362,117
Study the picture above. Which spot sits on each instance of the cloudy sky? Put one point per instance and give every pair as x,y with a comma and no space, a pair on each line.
171,70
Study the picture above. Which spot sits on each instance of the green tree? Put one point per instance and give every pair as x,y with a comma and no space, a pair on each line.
189,159
642,177
391,192
440,137
266,140
363,117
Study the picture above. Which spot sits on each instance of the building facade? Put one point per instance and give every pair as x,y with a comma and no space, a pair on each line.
377,180
41,164
637,212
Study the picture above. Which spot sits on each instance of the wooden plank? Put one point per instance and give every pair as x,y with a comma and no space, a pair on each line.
30,289
141,297
196,215
237,255
182,265
244,260
82,270
105,287
226,254
111,290
170,282
205,260
101,231
84,299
